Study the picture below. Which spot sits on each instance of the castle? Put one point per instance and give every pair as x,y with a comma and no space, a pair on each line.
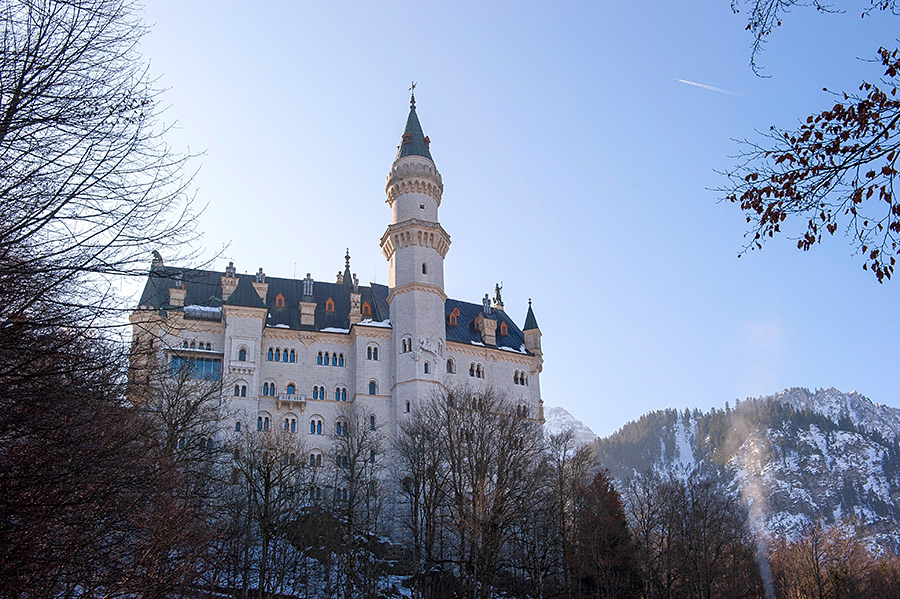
290,352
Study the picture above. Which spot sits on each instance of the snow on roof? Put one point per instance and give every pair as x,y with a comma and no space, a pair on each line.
386,324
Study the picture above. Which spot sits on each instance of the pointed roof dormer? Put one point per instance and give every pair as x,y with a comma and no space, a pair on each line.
414,141
530,320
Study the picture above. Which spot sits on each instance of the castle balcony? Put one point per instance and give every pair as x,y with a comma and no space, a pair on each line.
292,401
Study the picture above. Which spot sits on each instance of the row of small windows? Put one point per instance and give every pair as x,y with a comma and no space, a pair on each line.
476,370
326,358
519,378
341,429
206,369
279,355
318,391
194,345
522,411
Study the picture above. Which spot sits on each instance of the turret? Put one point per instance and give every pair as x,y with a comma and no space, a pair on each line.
532,332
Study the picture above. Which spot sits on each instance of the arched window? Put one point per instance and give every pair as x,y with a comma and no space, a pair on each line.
237,426
504,329
290,424
368,353
315,392
208,346
237,390
407,407
344,394
278,355
262,423
270,356
426,367
193,345
315,425
184,344
291,389
452,318
329,305
374,353
479,372
366,309
265,389
319,358
472,369
373,388
284,355
242,355
279,301
451,366
372,423
243,390
327,358
334,359
341,360
293,356
339,428
516,378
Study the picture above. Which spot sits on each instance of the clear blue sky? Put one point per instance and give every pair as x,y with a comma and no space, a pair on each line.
577,170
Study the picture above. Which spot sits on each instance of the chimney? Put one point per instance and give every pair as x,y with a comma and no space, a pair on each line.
307,303
229,281
260,285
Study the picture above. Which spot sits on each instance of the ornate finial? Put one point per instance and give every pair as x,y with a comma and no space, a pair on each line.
347,258
412,95
529,302
260,276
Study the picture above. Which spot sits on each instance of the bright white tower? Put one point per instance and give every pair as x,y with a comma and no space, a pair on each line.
415,245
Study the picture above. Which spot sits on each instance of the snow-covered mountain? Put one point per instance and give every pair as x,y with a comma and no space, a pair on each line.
557,420
800,454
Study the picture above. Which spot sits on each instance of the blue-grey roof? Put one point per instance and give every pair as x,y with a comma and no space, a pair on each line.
204,288
465,332
414,142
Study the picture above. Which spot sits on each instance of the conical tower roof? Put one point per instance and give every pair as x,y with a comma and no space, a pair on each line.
414,142
530,320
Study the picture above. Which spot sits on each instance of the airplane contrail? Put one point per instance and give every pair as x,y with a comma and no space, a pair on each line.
709,87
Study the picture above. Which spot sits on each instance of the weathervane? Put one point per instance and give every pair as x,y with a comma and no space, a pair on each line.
412,95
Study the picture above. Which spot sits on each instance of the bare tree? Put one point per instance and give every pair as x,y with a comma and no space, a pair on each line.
836,171
357,451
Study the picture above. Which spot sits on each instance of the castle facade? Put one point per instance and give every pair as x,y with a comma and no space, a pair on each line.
291,353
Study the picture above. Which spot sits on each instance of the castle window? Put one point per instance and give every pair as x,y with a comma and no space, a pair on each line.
284,355
334,359
237,390
315,459
341,360
262,423
366,309
368,353
291,389
184,344
266,389
271,355
516,378
193,345
472,369
208,346
243,390
451,366
424,269
279,301
479,372
407,407
237,426
278,355
315,426
290,425
421,206
504,329
372,423
340,429
452,318
373,388
242,355
329,305
426,367
319,358
293,356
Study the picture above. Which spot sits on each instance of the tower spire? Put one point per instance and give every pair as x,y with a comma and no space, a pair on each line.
414,141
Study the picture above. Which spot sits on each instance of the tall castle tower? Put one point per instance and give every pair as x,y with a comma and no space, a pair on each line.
415,246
